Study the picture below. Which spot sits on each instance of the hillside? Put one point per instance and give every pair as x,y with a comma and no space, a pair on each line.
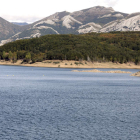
8,29
95,19
117,47
84,21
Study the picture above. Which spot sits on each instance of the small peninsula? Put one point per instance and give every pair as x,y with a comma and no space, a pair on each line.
98,71
136,74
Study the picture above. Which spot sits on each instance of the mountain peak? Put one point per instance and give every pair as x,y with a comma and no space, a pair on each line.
94,19
102,8
111,9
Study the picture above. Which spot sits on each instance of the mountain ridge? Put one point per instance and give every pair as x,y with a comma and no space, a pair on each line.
20,23
94,19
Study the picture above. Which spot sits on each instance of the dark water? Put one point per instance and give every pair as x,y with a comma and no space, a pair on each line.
65,105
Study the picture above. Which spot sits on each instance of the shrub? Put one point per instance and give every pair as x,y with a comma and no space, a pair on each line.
56,62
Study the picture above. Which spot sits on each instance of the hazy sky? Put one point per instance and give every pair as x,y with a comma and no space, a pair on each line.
33,10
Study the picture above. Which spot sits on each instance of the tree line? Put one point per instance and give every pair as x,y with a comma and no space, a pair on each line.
119,47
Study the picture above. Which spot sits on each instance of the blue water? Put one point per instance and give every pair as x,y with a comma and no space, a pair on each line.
57,104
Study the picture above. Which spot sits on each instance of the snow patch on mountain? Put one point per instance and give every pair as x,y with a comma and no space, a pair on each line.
68,20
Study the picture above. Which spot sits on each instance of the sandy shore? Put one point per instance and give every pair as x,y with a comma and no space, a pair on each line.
73,64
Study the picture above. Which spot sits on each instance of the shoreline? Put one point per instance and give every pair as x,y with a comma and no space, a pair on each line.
73,64
98,71
136,74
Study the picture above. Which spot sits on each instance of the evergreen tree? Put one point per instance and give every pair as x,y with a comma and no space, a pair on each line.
28,57
14,57
4,55
10,55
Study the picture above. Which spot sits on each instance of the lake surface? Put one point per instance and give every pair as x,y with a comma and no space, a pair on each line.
57,104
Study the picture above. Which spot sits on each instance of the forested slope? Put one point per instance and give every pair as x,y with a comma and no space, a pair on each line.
119,47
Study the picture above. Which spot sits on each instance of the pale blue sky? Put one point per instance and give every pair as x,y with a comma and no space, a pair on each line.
33,10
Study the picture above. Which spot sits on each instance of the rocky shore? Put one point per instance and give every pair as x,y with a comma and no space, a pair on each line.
136,74
98,71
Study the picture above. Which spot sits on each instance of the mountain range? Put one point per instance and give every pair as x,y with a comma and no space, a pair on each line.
95,19
20,23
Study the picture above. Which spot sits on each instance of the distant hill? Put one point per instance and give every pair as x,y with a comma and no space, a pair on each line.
20,23
94,19
8,29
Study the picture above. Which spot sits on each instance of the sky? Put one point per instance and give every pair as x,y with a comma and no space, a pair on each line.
34,10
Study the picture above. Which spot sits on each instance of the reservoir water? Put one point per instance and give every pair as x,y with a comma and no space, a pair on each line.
57,104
